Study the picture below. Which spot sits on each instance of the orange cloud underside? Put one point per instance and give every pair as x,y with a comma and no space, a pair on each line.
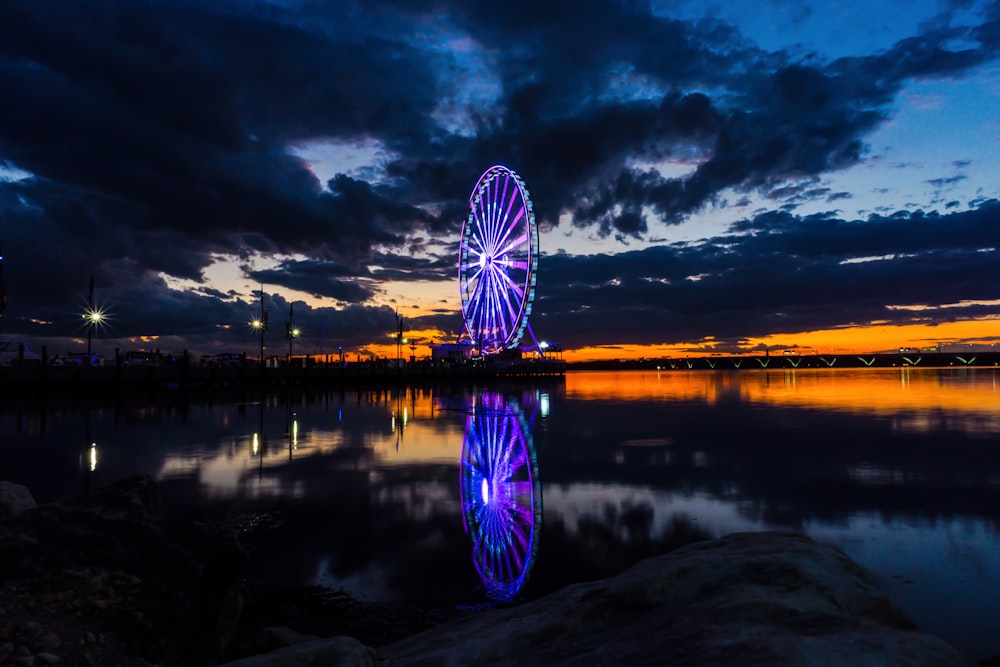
872,338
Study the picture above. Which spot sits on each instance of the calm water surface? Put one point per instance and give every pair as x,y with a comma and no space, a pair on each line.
467,495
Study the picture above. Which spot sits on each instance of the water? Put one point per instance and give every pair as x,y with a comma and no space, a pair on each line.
407,495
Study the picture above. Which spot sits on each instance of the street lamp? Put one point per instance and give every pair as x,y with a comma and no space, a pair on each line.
259,324
93,317
291,332
399,340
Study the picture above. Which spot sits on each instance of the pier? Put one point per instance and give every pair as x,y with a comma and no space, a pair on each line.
38,379
795,361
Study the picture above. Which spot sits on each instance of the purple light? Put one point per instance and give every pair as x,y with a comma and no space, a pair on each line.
497,262
501,495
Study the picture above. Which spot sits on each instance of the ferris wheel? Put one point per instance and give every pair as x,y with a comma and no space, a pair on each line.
501,495
498,261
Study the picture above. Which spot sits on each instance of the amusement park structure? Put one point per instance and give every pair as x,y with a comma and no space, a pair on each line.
498,263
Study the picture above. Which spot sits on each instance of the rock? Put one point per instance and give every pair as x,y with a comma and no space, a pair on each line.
330,652
23,656
147,588
745,599
49,641
273,638
14,499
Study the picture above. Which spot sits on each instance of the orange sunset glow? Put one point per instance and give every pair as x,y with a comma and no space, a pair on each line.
861,339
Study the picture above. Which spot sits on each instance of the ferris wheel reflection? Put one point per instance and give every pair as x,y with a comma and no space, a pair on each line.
501,494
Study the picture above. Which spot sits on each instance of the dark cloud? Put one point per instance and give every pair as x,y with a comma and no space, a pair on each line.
178,116
950,180
157,137
318,278
783,121
779,273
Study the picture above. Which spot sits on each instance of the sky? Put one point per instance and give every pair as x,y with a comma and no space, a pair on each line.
706,176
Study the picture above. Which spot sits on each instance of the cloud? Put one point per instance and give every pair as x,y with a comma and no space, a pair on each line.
778,273
151,138
950,180
319,278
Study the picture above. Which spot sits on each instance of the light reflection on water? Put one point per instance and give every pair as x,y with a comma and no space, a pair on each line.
969,396
362,490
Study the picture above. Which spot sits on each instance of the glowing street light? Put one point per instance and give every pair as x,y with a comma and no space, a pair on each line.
93,316
259,324
399,340
291,332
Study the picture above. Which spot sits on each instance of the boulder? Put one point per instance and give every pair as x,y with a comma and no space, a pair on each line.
330,652
273,638
14,499
771,598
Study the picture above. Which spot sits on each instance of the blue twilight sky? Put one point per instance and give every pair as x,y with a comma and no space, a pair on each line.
702,172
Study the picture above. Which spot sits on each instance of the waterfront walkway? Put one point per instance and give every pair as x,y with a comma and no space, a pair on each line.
27,380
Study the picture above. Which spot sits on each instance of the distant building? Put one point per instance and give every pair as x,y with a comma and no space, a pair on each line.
457,353
140,358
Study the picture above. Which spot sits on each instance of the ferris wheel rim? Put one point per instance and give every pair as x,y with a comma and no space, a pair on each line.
493,247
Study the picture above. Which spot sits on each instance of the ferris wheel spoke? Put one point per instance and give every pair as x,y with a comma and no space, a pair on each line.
484,305
509,227
503,299
485,321
497,206
503,223
514,287
509,313
500,220
483,205
510,308
471,265
496,321
521,488
491,223
475,276
488,199
477,236
513,244
506,284
478,302
475,295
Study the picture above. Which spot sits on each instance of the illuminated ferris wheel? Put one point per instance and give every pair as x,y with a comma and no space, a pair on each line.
498,261
501,495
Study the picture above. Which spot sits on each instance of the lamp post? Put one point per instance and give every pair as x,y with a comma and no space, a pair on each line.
399,340
292,332
93,316
260,324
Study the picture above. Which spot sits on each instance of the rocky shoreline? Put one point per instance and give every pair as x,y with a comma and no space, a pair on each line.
105,580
